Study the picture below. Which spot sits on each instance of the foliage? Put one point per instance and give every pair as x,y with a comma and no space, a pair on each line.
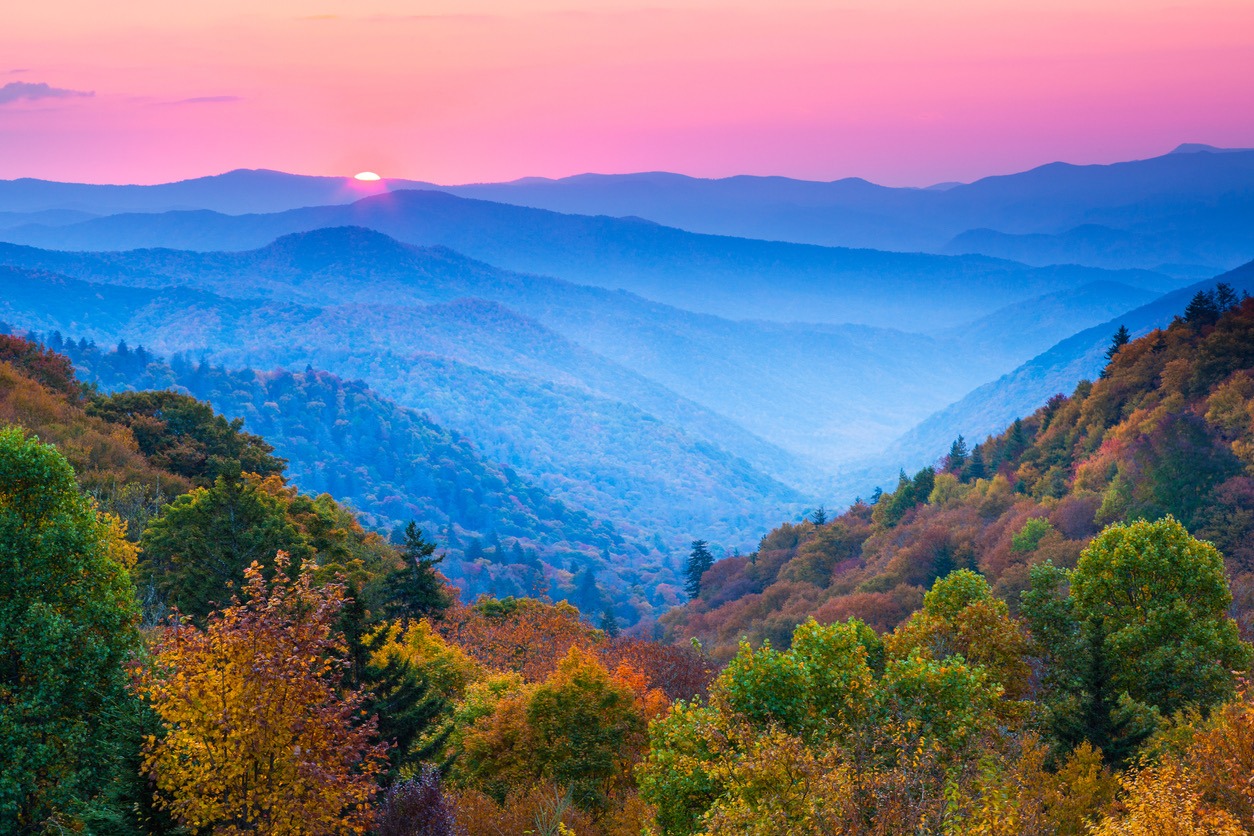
257,732
67,625
1164,798
1169,430
522,635
580,728
417,807
51,370
416,590
198,550
185,436
1158,600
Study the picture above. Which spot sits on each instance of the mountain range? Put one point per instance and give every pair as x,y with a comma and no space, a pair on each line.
1185,212
670,382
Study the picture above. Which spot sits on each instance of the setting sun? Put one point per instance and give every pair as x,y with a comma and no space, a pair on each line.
366,175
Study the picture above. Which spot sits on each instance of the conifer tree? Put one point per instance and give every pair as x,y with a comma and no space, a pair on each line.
416,590
975,467
1122,337
609,621
957,455
819,516
699,562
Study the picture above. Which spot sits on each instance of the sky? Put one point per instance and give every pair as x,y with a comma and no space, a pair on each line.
901,92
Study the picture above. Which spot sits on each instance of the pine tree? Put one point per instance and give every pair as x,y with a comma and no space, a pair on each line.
975,467
957,455
407,708
416,590
1122,337
1225,297
699,562
1202,309
819,517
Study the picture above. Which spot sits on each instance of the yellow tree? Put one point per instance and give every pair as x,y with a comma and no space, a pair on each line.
257,734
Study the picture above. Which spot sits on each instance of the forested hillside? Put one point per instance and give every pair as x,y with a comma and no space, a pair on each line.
559,414
501,534
1164,430
789,389
192,645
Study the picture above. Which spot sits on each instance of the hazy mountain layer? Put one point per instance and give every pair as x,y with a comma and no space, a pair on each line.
599,453
730,277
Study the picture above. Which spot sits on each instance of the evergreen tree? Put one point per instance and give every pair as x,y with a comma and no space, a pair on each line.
819,517
416,590
699,562
1225,297
1202,310
957,455
1122,337
408,708
609,621
975,467
587,596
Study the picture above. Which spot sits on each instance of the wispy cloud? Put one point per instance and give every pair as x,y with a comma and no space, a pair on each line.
16,91
18,71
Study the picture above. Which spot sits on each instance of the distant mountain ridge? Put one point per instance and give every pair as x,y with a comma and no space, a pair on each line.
1196,199
786,382
734,278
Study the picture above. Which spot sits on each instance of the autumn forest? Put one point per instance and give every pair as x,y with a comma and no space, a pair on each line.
1044,632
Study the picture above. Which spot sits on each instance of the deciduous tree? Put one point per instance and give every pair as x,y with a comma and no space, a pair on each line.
68,623
257,733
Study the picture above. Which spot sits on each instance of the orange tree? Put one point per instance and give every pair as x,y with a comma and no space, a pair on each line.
257,733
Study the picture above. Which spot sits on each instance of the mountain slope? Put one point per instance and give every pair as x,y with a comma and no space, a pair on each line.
1079,357
788,383
609,457
1190,206
1166,431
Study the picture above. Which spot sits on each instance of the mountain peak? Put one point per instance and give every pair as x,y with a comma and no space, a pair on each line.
337,245
1202,148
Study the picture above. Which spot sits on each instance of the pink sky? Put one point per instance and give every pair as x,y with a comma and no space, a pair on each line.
902,92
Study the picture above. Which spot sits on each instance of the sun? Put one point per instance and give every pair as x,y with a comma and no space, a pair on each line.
366,175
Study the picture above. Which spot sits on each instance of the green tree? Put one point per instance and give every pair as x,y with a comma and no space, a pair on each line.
957,457
1141,631
975,467
68,623
961,617
185,436
198,549
416,590
1159,600
699,562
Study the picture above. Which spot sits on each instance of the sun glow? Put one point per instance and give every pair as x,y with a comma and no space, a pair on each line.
367,175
